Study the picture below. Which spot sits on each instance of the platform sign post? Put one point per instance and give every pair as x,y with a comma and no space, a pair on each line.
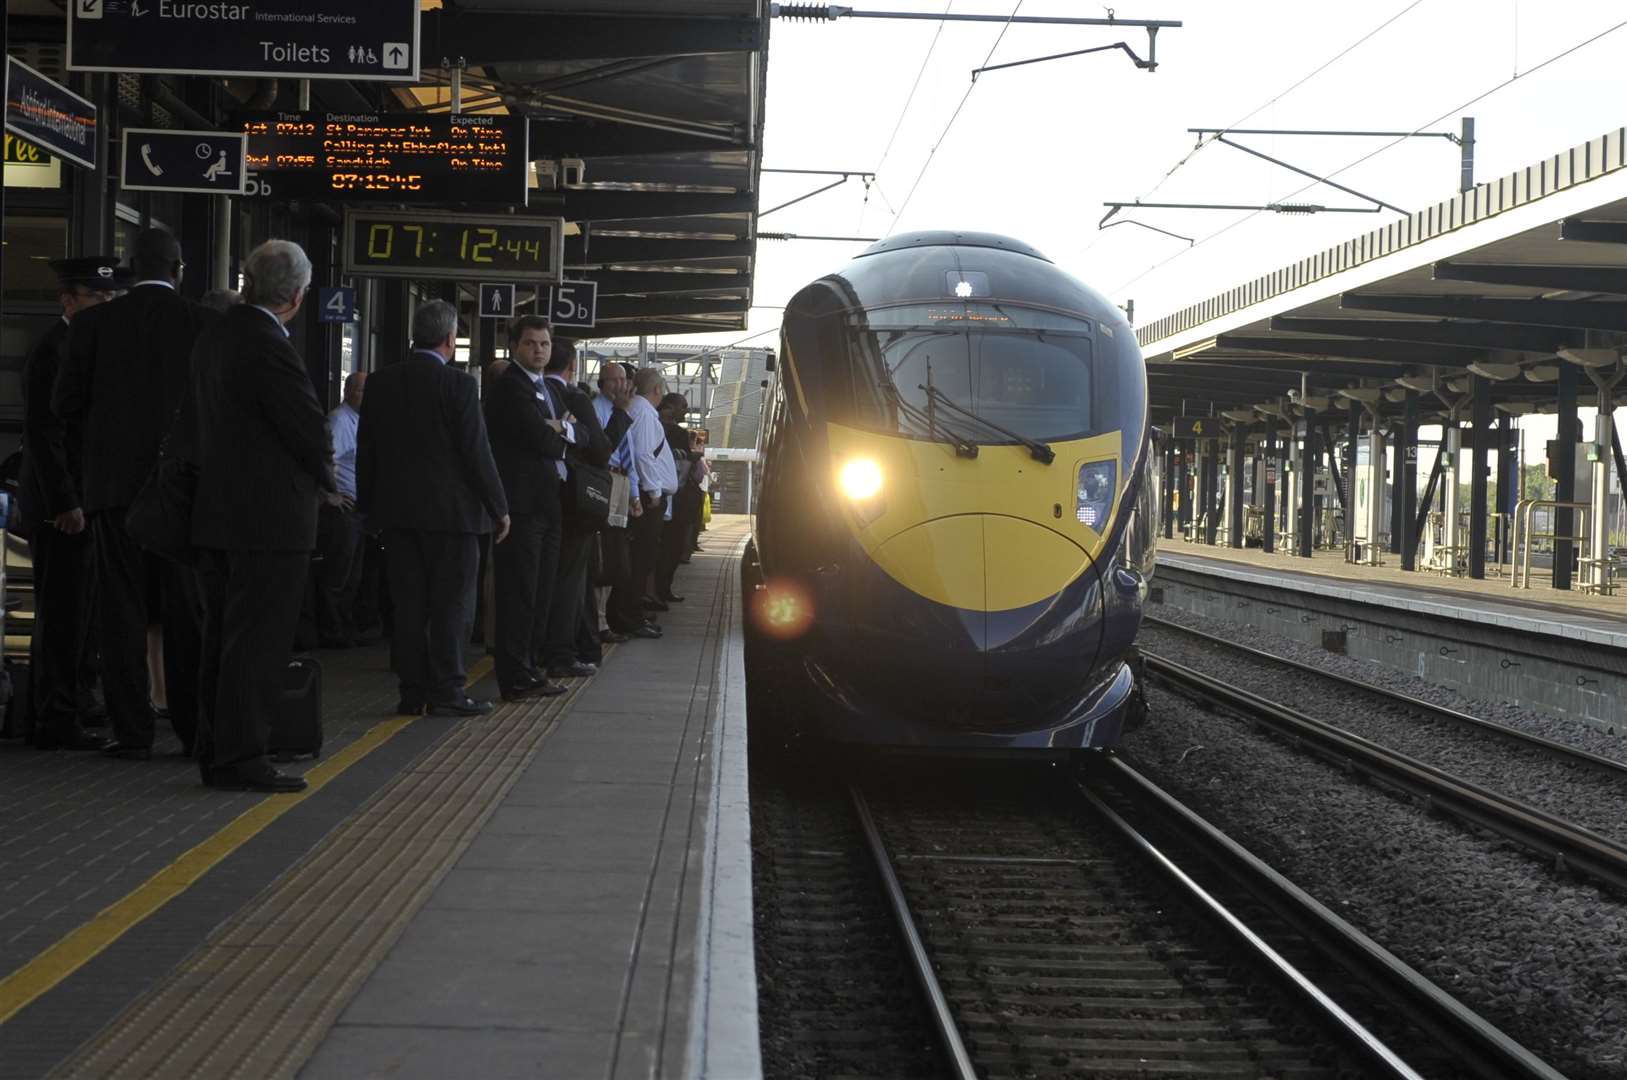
50,115
496,300
299,39
336,304
201,162
574,304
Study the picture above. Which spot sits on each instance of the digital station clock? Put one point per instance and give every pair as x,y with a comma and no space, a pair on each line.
427,244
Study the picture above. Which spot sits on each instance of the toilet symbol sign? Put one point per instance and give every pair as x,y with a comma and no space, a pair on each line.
206,162
496,301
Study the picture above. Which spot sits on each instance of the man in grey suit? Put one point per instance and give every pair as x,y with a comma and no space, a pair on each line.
425,476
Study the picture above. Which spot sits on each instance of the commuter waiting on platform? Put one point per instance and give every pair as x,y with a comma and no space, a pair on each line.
340,529
426,478
261,448
530,428
589,449
127,369
681,508
53,519
653,465
612,405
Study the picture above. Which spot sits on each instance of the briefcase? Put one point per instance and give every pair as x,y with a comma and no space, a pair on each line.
296,730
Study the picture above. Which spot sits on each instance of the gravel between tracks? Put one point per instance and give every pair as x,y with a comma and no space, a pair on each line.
1540,957
1570,732
1573,792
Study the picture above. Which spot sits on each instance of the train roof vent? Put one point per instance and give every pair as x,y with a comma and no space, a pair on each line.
947,238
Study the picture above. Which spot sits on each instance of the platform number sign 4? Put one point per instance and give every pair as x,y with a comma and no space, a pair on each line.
336,304
1196,427
574,304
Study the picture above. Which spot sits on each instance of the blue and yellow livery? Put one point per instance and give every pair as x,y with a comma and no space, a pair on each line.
954,526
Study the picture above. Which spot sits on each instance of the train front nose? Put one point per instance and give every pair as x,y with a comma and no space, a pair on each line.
994,605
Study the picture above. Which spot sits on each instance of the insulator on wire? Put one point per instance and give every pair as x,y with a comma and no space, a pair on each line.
811,12
1296,208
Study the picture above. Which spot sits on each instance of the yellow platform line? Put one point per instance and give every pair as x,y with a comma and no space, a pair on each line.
35,978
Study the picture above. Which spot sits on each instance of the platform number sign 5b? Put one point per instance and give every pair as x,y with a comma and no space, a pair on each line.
574,304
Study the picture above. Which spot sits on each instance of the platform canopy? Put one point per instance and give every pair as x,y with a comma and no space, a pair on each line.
661,101
1494,282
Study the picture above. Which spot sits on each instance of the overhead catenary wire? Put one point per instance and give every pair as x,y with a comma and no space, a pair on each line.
932,153
1555,58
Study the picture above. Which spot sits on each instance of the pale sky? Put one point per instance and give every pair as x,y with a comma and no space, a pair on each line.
1037,149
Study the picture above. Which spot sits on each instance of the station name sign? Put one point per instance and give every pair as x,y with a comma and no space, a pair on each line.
49,115
392,157
306,39
459,247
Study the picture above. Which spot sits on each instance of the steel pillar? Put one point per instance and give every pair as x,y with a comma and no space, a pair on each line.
1352,436
1234,486
1508,484
1604,428
1211,491
1565,465
1480,419
1268,499
1406,481
1375,481
1168,493
1305,488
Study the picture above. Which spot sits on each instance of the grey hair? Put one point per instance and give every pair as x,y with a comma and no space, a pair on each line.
433,323
647,379
274,273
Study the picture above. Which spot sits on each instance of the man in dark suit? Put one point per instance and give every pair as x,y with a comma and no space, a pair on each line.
529,427
127,370
425,476
53,519
260,441
558,649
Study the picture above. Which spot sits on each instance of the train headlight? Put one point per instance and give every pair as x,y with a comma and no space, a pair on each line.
859,479
1095,494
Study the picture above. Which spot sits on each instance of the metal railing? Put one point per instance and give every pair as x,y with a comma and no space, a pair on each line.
1521,577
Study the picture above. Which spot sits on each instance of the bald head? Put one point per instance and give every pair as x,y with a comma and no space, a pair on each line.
354,386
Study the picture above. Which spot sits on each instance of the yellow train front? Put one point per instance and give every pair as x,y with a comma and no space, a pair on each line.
955,516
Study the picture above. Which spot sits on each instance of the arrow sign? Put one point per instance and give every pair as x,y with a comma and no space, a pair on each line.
205,162
496,301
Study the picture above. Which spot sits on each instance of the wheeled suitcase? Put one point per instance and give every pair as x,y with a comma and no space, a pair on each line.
297,731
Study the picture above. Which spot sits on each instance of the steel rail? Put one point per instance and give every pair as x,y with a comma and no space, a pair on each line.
1492,727
1569,845
1479,1044
1370,1045
960,1062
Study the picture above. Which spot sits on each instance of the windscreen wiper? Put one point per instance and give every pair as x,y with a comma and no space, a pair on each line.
1039,451
963,446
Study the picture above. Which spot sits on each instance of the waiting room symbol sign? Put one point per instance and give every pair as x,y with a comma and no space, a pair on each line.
496,301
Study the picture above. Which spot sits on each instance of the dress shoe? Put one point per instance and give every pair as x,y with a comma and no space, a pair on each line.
128,751
645,631
76,738
533,688
227,778
460,706
404,707
652,604
669,598
611,637
574,670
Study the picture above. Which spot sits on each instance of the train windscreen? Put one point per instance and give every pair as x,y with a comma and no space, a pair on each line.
1020,369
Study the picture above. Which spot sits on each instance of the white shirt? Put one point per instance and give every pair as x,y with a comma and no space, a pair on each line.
170,285
652,458
431,352
274,317
541,383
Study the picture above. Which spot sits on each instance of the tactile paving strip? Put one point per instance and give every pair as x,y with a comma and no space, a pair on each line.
265,988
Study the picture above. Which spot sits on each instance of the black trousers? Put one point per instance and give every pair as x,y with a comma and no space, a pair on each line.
432,594
339,536
643,548
565,610
525,565
676,537
589,649
60,651
251,607
127,578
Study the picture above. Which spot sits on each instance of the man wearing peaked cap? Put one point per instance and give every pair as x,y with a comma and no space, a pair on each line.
53,518
127,369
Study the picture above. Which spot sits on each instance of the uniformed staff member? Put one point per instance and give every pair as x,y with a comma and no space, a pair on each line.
54,520
127,369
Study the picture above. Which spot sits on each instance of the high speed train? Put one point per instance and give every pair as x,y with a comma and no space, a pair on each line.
956,516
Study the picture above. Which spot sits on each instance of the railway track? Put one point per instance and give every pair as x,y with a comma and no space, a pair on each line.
1479,725
1568,845
1050,941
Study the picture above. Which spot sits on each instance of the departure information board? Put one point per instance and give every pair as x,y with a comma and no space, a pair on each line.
427,244
391,157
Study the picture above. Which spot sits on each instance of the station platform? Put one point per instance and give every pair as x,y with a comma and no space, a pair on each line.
558,889
1569,614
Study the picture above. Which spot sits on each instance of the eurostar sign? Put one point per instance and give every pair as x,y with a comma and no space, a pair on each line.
304,39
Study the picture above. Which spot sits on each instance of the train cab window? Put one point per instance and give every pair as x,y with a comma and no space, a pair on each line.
1024,370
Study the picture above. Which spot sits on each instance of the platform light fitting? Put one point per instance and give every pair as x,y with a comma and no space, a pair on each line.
1367,395
1422,383
1591,358
1516,408
1495,372
1543,373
